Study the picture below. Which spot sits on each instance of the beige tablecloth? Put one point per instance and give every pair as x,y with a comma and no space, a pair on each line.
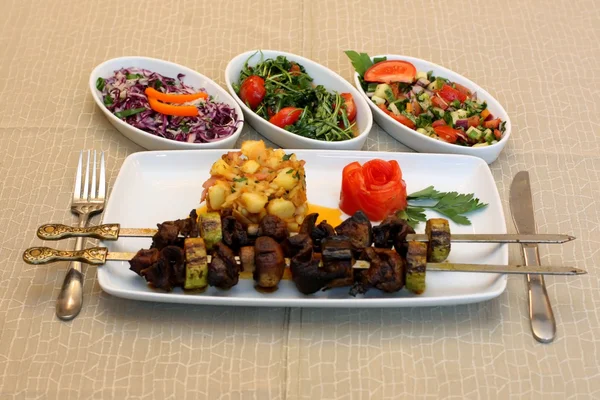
538,58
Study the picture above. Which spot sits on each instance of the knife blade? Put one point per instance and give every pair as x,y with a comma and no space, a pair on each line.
541,317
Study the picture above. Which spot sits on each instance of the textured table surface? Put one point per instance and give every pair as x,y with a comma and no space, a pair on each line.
538,58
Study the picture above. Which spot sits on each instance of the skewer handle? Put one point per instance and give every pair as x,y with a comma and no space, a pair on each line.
60,231
46,255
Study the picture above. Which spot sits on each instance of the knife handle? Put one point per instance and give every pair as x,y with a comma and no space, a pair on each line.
543,324
60,231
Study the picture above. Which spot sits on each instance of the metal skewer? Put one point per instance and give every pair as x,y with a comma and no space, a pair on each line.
99,255
114,231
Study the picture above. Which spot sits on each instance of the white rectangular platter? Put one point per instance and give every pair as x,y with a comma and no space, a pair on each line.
156,186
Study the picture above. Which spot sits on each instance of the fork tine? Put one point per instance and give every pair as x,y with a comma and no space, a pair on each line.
86,183
77,188
94,181
102,184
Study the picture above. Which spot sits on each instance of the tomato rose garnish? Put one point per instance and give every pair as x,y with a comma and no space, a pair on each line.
376,188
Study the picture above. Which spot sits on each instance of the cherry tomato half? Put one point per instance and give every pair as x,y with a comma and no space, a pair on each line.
446,133
286,116
252,91
350,106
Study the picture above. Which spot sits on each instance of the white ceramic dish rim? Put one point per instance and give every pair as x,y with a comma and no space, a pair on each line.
380,302
185,70
302,60
470,84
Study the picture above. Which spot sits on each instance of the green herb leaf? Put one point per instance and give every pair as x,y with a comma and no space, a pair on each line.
133,76
450,204
290,171
129,113
157,84
455,103
361,62
100,83
429,75
108,101
242,179
379,59
287,157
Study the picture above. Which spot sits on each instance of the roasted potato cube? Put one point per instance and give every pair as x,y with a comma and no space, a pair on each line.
250,167
284,209
253,148
286,178
217,194
221,168
254,202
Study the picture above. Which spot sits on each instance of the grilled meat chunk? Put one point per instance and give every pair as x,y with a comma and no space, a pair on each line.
359,230
167,235
273,227
143,259
223,270
297,245
269,262
234,233
337,260
392,232
385,273
316,232
304,265
163,270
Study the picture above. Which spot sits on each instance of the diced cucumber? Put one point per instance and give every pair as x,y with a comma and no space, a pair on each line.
389,95
481,144
423,131
461,113
437,112
378,100
425,104
371,87
380,90
474,133
488,135
437,84
394,109
455,117
421,75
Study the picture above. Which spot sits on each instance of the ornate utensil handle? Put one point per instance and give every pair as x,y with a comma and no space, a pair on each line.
60,231
46,255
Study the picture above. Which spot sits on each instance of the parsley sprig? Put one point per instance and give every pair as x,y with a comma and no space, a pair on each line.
450,204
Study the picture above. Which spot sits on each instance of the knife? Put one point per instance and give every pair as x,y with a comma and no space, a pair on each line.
541,317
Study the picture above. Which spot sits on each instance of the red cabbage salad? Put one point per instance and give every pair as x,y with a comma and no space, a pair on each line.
166,107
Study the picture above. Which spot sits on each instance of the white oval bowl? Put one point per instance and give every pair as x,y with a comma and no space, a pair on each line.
425,144
169,69
321,76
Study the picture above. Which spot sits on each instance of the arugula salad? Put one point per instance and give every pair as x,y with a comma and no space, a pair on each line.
432,105
280,91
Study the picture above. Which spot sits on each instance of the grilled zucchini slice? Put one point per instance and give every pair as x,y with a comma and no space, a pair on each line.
211,229
196,264
438,234
416,265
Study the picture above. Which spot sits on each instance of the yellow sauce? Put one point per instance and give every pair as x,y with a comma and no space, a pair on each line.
333,216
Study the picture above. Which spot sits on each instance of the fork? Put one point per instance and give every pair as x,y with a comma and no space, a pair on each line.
87,200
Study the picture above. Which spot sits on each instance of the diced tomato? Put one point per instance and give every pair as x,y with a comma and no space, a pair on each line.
446,133
474,121
439,122
450,94
350,106
376,188
252,91
497,134
436,101
493,124
400,118
417,110
395,86
295,69
463,89
286,116
391,71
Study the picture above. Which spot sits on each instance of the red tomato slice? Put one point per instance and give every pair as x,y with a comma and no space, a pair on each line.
350,106
450,94
446,133
463,89
391,71
352,181
436,101
439,122
400,118
493,124
497,134
286,116
252,91
473,121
